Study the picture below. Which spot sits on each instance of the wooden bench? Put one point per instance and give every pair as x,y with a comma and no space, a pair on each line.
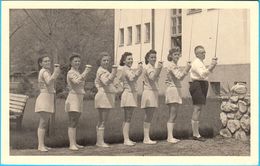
16,109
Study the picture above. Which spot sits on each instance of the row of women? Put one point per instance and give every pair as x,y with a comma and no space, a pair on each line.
105,97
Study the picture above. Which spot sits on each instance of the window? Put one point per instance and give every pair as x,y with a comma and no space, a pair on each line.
147,32
138,34
179,20
121,43
129,29
215,86
176,24
176,41
179,24
193,11
174,11
212,9
176,28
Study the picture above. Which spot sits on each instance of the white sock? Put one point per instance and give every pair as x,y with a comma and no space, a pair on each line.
126,127
195,128
41,135
72,137
170,127
147,131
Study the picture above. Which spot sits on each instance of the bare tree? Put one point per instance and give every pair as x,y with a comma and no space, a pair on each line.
59,32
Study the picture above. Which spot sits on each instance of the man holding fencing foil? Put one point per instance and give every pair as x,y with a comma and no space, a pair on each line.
199,87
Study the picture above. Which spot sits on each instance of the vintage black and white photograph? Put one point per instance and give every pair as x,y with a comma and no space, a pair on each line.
147,81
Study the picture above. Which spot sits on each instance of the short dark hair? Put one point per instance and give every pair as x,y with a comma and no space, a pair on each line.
44,55
123,58
148,55
101,55
197,47
74,55
171,51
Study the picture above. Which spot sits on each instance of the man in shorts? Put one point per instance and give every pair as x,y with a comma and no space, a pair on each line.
199,87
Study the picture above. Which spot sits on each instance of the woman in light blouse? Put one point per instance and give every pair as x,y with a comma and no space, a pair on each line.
173,97
74,101
129,96
105,97
150,93
44,105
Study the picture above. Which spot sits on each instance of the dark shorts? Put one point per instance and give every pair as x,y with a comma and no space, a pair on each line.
198,91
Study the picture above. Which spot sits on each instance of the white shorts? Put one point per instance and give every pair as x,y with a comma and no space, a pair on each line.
129,99
173,95
104,100
74,102
45,102
149,99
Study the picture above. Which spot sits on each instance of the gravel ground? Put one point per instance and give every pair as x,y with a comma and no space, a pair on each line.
217,146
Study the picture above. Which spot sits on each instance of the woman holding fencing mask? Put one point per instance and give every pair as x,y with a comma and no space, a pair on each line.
105,97
129,96
74,102
173,97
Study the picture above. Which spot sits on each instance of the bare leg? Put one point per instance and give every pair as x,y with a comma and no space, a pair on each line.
126,125
103,116
44,117
173,111
147,123
73,123
195,123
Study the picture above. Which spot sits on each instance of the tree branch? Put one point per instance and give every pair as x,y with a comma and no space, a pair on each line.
46,35
48,23
19,27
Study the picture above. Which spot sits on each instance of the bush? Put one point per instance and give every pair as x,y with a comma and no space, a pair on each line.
23,86
90,90
62,90
61,81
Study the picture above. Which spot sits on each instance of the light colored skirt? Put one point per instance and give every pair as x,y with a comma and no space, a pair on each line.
74,102
45,103
149,99
104,100
129,99
173,95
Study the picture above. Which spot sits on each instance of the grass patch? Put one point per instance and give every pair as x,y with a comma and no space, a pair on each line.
86,133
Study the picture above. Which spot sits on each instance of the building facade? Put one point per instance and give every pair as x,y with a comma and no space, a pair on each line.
223,32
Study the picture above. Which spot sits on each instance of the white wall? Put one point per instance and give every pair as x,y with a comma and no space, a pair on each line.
233,35
160,26
132,17
233,41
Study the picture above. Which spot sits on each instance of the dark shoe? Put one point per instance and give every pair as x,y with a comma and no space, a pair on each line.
199,139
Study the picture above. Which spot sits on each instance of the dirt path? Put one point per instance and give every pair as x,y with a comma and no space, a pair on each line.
212,147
